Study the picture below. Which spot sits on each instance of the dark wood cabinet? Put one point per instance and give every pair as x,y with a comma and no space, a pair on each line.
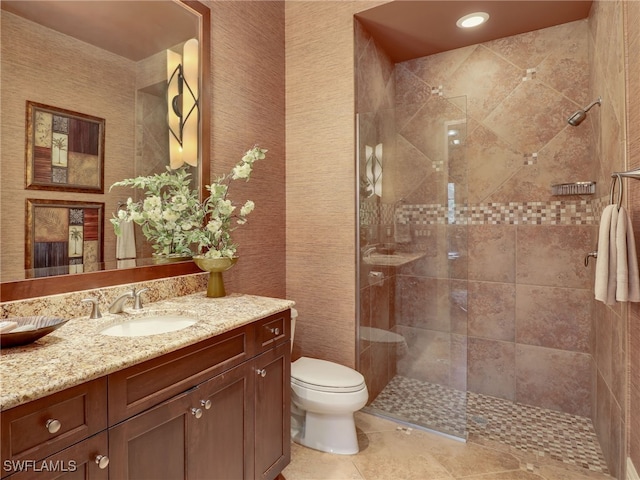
272,412
216,410
33,431
221,440
85,460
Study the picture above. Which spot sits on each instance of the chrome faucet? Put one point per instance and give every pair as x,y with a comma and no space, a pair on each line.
137,302
118,304
368,251
95,308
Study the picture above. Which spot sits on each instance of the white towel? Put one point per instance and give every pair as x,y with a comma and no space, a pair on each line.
128,263
126,241
613,258
602,261
617,277
627,281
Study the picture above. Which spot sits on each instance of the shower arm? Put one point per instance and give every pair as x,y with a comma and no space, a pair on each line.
592,104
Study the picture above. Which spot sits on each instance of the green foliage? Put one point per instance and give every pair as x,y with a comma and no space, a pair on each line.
174,220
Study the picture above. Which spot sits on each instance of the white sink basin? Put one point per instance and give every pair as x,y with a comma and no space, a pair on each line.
148,325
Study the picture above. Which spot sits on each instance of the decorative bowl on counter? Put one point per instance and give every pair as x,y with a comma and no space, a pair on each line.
34,328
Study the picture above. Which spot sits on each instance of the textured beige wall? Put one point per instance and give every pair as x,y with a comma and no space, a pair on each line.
321,182
44,66
632,26
247,108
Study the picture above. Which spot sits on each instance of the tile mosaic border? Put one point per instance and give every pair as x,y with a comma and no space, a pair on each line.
561,212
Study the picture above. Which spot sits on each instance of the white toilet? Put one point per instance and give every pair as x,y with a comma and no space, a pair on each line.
324,397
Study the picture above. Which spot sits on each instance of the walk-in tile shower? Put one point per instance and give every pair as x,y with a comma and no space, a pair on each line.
475,306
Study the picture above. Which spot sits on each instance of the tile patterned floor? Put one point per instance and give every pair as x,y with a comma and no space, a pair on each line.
389,451
544,433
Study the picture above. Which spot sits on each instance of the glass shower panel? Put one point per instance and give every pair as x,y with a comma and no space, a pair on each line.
413,265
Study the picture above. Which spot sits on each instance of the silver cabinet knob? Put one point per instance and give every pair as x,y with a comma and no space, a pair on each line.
196,412
262,372
206,404
275,331
102,461
53,425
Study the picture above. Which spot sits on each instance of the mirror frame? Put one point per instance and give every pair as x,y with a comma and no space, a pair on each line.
39,287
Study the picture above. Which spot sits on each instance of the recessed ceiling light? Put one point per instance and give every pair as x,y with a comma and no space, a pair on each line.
472,20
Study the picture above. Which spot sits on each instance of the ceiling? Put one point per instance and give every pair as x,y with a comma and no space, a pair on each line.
408,29
134,29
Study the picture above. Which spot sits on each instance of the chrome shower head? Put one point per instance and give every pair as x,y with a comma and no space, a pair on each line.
578,117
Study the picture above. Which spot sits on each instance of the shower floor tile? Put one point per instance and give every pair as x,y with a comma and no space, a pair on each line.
545,433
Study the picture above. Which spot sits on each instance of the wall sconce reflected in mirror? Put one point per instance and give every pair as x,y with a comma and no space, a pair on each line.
182,101
374,168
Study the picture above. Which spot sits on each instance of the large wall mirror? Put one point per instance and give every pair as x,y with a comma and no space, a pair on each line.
90,60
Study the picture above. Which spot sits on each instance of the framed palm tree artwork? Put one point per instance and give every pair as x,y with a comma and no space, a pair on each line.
63,237
64,150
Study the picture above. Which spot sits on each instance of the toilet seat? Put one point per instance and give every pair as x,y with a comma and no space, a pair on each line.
324,376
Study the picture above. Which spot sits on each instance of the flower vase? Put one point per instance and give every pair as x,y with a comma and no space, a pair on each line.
215,267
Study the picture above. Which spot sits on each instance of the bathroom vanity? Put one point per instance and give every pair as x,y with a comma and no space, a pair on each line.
211,401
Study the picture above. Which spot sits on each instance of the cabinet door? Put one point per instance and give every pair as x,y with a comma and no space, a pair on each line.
221,442
272,412
82,461
38,429
153,444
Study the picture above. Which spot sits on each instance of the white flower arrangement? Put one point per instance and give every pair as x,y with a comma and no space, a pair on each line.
174,220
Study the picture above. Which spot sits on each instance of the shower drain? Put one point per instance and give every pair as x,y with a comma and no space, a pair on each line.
479,420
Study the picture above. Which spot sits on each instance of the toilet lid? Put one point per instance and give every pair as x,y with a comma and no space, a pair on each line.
326,376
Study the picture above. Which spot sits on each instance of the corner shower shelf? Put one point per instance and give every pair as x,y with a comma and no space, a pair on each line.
575,188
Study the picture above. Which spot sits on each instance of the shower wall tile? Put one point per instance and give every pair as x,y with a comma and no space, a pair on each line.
458,365
411,308
411,93
432,117
554,317
492,251
454,254
381,299
492,310
612,353
437,69
554,255
424,185
491,162
428,356
562,160
459,306
604,342
484,92
563,43
566,62
532,127
553,379
374,71
602,419
491,368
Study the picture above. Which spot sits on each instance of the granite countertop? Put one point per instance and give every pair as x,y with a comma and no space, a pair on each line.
76,352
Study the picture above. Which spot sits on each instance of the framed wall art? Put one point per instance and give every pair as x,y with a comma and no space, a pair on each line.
64,150
63,236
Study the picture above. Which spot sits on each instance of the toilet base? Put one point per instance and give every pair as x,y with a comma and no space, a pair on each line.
327,433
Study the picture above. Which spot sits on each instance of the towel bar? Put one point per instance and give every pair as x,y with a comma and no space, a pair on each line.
619,176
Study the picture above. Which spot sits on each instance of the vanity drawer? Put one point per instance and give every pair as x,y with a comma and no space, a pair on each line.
272,331
45,426
147,384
